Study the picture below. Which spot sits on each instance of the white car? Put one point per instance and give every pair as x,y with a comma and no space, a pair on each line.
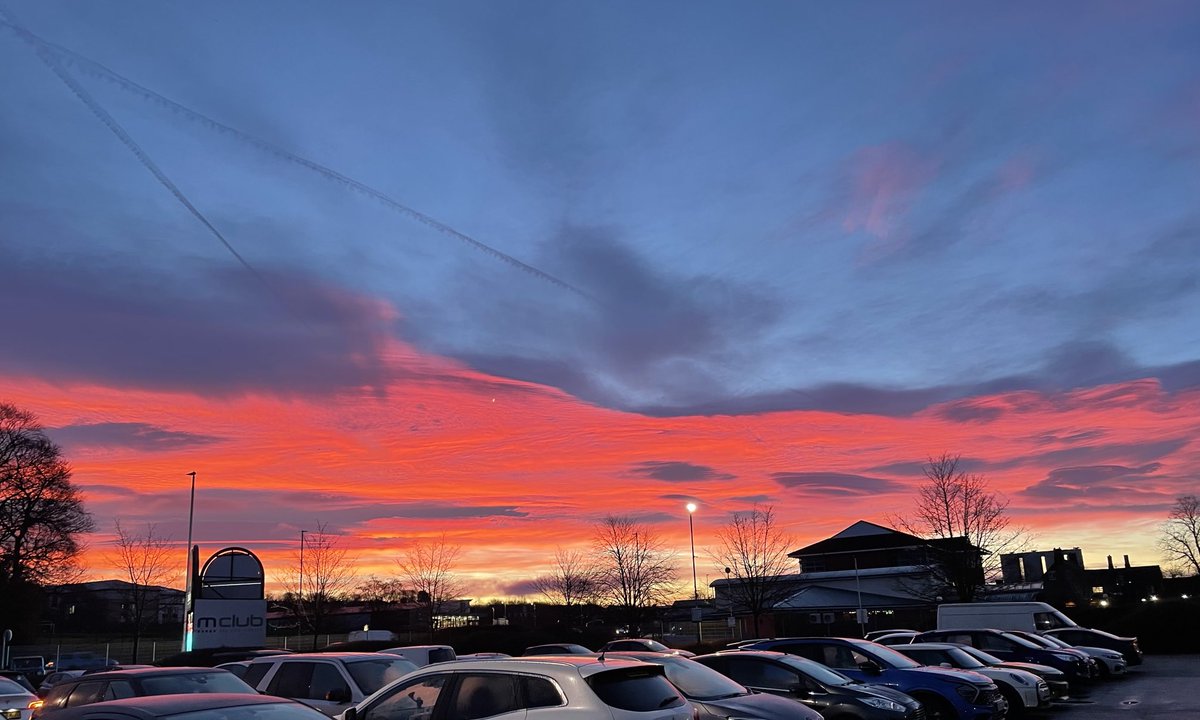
579,687
329,682
1023,690
16,703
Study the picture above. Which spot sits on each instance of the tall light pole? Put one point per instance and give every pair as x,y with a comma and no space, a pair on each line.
187,565
300,591
691,508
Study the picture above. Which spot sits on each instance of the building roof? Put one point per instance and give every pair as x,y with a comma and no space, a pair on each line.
821,597
865,536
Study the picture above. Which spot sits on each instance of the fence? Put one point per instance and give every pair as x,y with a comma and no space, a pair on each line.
153,649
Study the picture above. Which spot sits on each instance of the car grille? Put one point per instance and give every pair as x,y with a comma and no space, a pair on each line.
918,714
988,697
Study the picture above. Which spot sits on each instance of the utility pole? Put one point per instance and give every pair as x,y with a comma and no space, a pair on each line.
187,565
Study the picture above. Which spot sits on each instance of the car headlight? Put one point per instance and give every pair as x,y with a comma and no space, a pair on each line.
1019,680
1065,657
967,692
884,704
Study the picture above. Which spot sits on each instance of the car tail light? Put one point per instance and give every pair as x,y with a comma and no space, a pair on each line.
35,704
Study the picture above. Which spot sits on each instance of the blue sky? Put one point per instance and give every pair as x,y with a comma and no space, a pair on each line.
674,211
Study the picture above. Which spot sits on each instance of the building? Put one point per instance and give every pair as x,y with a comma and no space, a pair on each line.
1059,577
109,605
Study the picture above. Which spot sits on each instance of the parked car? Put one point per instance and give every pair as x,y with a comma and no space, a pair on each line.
236,706
110,668
641,645
557,649
1127,646
78,661
17,701
329,682
946,694
897,638
874,635
1108,662
422,655
211,657
34,667
101,687
714,695
1023,690
236,668
19,678
55,678
827,691
1060,688
582,688
1006,646
1029,616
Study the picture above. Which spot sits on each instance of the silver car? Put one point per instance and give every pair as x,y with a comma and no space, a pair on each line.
582,688
329,682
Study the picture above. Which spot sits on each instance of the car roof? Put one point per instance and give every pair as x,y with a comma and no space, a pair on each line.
323,656
147,672
185,702
927,646
585,665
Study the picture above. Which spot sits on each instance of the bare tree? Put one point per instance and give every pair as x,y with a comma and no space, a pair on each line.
953,504
753,550
636,571
379,593
1180,541
41,517
427,566
320,574
574,579
145,561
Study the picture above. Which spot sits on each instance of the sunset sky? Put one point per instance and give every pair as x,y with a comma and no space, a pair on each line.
497,270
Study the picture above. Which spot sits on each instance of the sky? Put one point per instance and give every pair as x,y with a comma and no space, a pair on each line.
495,271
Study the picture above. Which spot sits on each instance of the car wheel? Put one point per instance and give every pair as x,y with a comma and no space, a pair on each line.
1105,673
1015,706
936,708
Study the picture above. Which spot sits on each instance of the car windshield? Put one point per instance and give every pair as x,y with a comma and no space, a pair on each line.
11,687
986,658
699,682
1022,641
656,646
964,660
206,682
817,671
1044,642
374,673
257,711
886,655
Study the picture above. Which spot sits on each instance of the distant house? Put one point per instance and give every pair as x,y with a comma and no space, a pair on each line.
895,578
108,604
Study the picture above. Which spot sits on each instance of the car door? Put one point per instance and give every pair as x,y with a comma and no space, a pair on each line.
318,684
416,699
485,695
767,676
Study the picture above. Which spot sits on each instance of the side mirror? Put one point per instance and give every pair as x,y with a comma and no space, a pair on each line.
338,695
945,665
870,667
350,714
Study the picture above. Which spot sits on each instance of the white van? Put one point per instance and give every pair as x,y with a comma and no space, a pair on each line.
422,655
1030,616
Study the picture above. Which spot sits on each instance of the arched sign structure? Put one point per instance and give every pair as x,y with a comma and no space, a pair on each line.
228,605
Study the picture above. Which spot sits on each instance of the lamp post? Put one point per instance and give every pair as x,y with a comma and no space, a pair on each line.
691,508
187,565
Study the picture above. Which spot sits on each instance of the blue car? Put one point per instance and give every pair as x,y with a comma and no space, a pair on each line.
1013,648
946,694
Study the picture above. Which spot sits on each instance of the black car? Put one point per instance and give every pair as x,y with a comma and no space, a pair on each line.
715,696
227,706
120,684
1006,646
827,691
1127,646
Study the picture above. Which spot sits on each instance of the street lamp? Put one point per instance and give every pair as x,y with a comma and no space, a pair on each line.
187,565
691,508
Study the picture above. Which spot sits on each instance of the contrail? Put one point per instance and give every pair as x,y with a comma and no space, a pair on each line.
98,70
80,92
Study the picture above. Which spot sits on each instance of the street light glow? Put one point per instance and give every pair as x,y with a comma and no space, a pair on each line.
691,507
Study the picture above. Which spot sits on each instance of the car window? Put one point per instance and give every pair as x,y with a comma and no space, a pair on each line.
85,693
414,700
484,695
816,671
960,638
757,672
118,689
437,655
994,643
197,682
370,675
328,684
636,689
928,657
624,645
255,673
56,697
292,680
539,692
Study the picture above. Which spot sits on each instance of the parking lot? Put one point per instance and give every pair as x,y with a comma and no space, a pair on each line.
1164,686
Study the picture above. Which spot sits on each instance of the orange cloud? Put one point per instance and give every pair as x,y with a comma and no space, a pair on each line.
510,470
